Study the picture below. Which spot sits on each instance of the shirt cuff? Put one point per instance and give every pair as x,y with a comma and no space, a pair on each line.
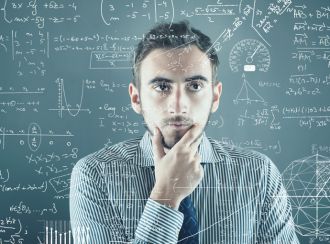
159,223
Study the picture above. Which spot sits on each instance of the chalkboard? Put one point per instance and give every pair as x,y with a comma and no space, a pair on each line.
65,70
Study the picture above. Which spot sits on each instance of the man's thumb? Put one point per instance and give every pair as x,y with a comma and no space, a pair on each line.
157,146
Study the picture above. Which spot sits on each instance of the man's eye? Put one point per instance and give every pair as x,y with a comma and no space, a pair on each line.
195,86
161,87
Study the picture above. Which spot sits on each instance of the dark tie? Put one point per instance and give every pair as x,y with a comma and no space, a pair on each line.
189,230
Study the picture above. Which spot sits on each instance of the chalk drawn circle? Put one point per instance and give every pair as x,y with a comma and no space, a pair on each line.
306,181
249,55
34,136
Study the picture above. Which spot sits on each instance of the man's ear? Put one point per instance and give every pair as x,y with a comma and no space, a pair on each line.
217,90
135,97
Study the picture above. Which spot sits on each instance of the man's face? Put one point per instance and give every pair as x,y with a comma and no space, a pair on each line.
176,91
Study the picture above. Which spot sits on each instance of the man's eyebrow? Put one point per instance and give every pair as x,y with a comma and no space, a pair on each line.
195,77
159,78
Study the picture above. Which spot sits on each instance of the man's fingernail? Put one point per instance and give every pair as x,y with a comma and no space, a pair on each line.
155,131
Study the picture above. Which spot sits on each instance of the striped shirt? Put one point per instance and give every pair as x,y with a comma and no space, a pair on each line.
241,198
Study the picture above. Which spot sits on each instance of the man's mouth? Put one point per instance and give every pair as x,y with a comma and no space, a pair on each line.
178,125
179,122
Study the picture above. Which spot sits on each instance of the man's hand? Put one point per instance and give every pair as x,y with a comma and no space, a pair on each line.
177,172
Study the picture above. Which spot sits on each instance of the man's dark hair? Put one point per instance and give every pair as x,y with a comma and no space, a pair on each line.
175,35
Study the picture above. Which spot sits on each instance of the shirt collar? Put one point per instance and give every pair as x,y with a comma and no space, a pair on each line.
144,156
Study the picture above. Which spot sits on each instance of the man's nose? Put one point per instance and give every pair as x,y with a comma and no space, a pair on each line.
178,101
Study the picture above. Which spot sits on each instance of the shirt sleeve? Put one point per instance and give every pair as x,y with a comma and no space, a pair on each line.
94,219
276,224
159,223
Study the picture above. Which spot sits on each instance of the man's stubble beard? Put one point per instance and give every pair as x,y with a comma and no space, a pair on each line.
177,135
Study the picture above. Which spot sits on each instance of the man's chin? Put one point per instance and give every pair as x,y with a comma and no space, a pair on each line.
172,137
168,146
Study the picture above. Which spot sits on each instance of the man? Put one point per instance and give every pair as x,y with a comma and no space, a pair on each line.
175,184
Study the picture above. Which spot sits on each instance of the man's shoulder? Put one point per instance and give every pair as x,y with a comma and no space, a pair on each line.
259,165
235,152
122,150
94,162
118,151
